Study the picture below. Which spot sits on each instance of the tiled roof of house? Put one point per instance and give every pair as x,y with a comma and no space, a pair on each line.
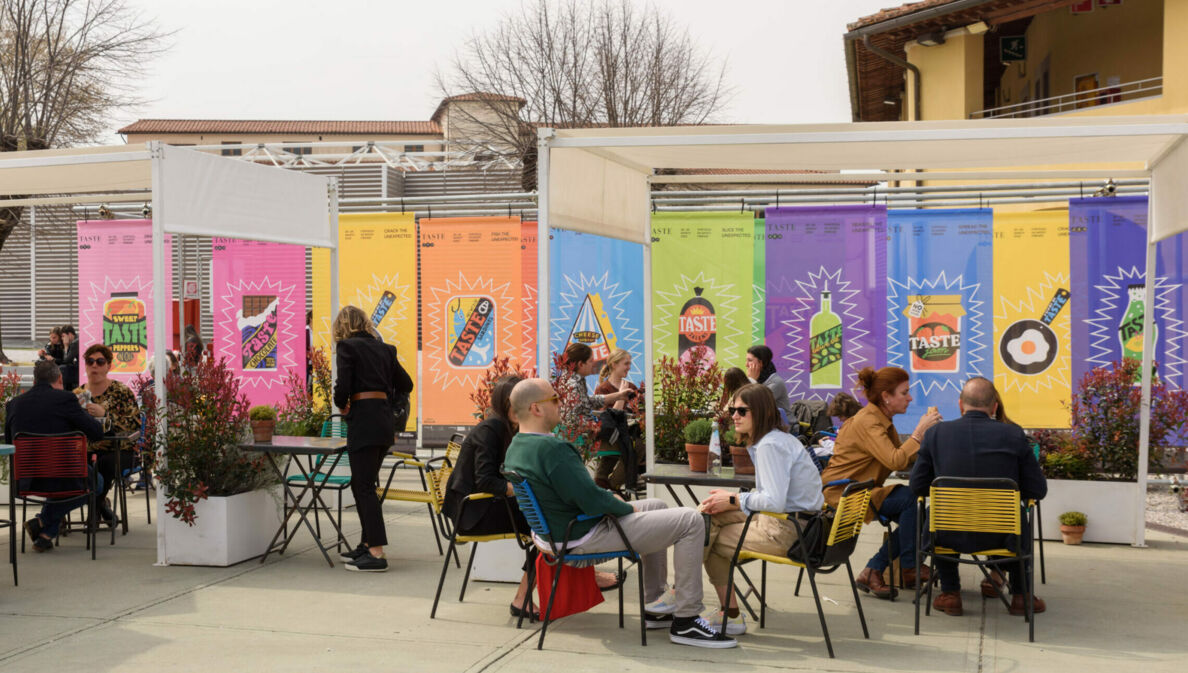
475,96
330,127
896,12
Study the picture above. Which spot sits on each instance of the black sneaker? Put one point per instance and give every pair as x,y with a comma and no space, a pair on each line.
42,544
106,515
697,632
652,621
33,528
368,564
352,554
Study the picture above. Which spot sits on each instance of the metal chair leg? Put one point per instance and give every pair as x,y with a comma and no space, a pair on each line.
858,603
643,627
763,592
799,578
549,608
1039,524
445,565
469,565
820,612
620,574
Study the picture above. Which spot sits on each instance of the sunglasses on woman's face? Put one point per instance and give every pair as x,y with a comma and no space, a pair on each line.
739,411
101,362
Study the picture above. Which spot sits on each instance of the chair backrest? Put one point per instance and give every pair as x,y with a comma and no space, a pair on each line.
972,505
452,450
437,480
334,427
529,506
60,456
847,523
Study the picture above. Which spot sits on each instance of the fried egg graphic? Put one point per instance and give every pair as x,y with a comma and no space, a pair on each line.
1028,348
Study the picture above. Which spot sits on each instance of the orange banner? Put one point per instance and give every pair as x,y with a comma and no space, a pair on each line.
528,295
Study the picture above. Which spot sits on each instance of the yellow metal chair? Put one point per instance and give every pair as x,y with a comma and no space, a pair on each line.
989,507
453,449
431,499
843,538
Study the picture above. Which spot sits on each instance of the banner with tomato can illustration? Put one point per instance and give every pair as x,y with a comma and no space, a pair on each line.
939,294
1032,321
258,295
115,295
470,304
826,295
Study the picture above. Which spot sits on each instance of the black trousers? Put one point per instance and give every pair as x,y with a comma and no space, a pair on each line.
365,466
106,465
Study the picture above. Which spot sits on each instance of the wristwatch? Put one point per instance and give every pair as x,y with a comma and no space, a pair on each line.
733,500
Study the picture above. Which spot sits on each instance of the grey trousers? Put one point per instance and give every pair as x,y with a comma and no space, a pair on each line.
652,529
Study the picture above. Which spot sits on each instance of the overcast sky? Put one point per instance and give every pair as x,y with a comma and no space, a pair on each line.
354,59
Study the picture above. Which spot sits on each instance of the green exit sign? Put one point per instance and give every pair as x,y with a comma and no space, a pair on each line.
1012,48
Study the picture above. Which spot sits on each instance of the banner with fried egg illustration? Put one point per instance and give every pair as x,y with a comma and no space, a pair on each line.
1032,317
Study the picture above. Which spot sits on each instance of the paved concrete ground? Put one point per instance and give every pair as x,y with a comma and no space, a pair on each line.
1110,608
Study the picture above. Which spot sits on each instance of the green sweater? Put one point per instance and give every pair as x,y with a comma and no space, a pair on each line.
562,484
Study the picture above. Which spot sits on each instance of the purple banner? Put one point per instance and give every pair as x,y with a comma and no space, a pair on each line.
826,282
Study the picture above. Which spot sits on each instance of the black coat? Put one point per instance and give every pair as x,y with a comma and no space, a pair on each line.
976,445
45,410
478,470
366,364
69,366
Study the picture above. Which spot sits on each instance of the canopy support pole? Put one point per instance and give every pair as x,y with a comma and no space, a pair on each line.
1148,370
543,361
160,311
649,364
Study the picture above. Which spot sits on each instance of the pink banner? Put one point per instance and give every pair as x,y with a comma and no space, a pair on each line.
258,292
115,295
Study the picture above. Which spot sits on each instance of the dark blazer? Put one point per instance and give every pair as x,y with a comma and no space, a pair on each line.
45,410
976,445
366,364
69,366
478,470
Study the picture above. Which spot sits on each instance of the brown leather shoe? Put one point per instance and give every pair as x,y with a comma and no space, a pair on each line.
908,576
948,602
871,581
1019,608
993,586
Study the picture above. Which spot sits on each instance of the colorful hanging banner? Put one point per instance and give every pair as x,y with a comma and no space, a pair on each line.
115,297
1109,252
939,304
470,303
759,283
377,271
702,280
528,263
258,303
1032,320
826,296
596,297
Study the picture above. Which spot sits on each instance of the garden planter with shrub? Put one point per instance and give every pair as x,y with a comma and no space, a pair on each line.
742,460
1072,527
697,438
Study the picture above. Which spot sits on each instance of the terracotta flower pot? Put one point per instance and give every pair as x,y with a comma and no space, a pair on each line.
1072,534
742,460
262,430
698,457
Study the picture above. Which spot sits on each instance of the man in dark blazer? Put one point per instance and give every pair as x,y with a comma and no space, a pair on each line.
977,445
47,409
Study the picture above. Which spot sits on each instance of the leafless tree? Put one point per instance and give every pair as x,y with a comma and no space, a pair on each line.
65,66
575,63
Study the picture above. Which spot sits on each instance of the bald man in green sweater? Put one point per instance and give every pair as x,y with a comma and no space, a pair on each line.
565,489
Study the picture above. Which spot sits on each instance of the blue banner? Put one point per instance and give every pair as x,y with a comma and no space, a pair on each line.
939,319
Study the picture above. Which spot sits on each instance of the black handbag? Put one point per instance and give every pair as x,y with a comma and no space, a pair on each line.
810,547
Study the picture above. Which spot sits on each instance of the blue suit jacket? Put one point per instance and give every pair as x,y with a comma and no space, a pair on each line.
45,410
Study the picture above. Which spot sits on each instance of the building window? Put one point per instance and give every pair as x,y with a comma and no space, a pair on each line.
298,150
414,148
232,151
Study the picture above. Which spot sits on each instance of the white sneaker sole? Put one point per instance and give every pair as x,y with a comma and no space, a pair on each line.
703,642
356,569
662,609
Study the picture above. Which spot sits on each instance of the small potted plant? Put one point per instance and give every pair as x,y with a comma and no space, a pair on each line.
1072,526
697,438
263,420
739,455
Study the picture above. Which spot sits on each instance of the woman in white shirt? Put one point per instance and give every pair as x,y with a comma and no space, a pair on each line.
786,480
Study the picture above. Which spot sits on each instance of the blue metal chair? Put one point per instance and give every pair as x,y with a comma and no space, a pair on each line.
526,499
137,467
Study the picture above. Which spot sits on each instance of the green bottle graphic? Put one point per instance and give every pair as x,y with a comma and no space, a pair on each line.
825,346
1130,329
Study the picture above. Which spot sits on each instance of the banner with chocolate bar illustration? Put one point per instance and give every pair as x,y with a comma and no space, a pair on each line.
596,298
939,304
826,295
115,293
470,303
258,295
1032,321
528,264
377,272
702,280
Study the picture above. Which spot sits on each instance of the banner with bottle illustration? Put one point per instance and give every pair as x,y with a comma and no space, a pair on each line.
470,305
826,295
759,283
596,298
702,280
258,304
115,293
1109,252
377,272
528,264
939,304
1032,321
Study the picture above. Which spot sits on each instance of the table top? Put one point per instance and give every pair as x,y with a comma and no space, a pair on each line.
298,445
7,449
681,475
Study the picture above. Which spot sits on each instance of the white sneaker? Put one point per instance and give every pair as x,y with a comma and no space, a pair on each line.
737,626
665,605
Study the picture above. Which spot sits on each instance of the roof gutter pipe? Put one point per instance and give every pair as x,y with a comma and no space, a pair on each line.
888,56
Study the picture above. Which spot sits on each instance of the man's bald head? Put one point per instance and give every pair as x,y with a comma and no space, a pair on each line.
524,395
979,394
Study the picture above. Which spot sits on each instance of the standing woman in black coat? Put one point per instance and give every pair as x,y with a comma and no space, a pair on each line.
369,379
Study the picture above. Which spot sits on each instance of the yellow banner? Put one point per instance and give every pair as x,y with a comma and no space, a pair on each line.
1032,323
377,271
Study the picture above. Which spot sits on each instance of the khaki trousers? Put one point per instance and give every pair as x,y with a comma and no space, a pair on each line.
766,536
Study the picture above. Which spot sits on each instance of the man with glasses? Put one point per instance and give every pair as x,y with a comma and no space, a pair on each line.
564,489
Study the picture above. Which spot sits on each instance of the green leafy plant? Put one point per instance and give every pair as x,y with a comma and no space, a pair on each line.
699,431
1073,519
575,428
307,404
730,438
1061,457
685,390
262,412
501,367
10,387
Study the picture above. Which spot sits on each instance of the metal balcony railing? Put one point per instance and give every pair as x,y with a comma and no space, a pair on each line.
1080,100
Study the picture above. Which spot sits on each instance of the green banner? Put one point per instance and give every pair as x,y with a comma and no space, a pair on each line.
759,283
702,279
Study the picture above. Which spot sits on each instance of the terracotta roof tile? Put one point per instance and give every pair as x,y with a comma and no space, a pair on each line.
475,96
896,12
282,126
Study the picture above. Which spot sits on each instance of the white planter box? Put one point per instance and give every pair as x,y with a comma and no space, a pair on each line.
1110,505
498,561
228,529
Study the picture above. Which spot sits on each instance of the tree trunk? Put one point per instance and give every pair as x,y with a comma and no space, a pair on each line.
9,219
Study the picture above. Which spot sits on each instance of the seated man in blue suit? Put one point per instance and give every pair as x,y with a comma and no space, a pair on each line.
976,445
47,409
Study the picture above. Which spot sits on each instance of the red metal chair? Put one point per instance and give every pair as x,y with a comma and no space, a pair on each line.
62,456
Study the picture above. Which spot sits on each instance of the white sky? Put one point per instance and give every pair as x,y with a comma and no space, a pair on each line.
355,59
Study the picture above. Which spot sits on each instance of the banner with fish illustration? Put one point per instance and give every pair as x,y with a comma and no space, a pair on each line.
528,264
596,297
115,295
377,272
1032,321
470,303
826,295
939,304
702,280
258,303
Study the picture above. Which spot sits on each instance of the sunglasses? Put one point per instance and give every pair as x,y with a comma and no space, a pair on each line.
740,411
96,361
552,398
